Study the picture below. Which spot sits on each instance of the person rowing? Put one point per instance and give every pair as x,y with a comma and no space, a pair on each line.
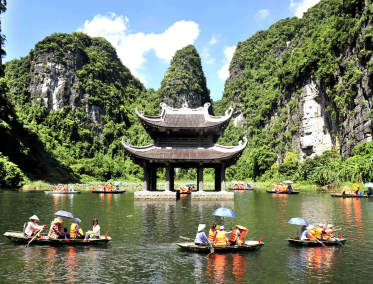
321,234
369,191
32,228
346,190
201,238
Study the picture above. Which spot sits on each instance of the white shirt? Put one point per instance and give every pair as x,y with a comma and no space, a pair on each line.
304,234
96,230
31,227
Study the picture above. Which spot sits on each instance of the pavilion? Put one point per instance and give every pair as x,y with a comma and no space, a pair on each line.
184,138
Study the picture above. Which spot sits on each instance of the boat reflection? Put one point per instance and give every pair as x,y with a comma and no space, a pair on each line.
223,268
71,265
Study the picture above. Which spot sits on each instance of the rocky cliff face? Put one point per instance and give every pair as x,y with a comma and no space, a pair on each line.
185,81
305,100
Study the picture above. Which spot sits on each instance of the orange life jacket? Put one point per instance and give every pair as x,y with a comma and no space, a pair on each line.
318,233
312,233
221,239
234,236
211,235
73,230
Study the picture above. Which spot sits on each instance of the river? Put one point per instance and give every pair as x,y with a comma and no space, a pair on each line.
144,235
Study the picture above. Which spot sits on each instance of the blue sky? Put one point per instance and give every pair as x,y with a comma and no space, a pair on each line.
146,34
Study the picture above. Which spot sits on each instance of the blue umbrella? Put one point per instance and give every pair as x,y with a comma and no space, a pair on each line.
190,184
287,181
66,214
298,221
369,184
224,212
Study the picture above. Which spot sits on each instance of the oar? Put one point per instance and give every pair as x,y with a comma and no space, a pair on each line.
35,237
324,245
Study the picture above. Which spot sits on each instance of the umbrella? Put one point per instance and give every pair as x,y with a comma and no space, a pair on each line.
118,183
64,214
190,184
298,221
234,182
287,181
249,182
369,184
224,212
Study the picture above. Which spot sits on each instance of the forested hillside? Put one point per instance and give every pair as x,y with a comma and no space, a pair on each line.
304,87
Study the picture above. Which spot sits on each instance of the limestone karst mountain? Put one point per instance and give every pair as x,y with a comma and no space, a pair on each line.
185,80
305,84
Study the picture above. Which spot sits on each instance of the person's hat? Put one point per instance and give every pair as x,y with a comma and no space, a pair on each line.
34,217
221,228
201,227
77,220
310,227
56,220
304,227
330,226
321,225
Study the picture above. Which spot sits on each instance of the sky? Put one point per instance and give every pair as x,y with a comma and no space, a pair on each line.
146,34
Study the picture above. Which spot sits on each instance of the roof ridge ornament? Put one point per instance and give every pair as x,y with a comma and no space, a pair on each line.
206,106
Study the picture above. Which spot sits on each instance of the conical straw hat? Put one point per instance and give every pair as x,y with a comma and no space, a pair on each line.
34,217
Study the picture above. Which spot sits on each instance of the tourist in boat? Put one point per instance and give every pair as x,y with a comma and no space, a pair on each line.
63,188
103,188
320,232
95,233
75,231
212,233
201,238
221,239
306,233
55,230
357,190
329,230
110,187
117,188
238,236
248,185
369,191
290,188
71,188
33,228
346,190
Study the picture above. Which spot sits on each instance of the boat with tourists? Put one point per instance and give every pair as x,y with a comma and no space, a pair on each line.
282,192
19,237
241,186
349,195
187,188
249,246
61,192
309,243
109,192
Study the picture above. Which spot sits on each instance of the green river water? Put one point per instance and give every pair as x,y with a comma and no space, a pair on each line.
144,234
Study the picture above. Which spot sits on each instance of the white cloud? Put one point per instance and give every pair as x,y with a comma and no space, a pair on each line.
228,51
132,48
302,7
214,39
206,57
261,15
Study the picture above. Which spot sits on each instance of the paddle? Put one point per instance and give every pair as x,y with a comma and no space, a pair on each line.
324,245
35,237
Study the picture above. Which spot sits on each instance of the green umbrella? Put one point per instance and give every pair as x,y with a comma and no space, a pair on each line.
287,181
118,183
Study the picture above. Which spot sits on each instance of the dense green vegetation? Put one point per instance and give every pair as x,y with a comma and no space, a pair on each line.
272,63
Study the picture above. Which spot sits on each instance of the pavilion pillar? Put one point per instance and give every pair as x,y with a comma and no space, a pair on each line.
217,178
200,177
222,177
153,177
168,177
172,177
146,178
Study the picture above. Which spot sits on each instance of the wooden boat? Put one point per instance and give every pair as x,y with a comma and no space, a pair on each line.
350,196
249,246
232,188
61,192
19,237
109,192
282,192
298,242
